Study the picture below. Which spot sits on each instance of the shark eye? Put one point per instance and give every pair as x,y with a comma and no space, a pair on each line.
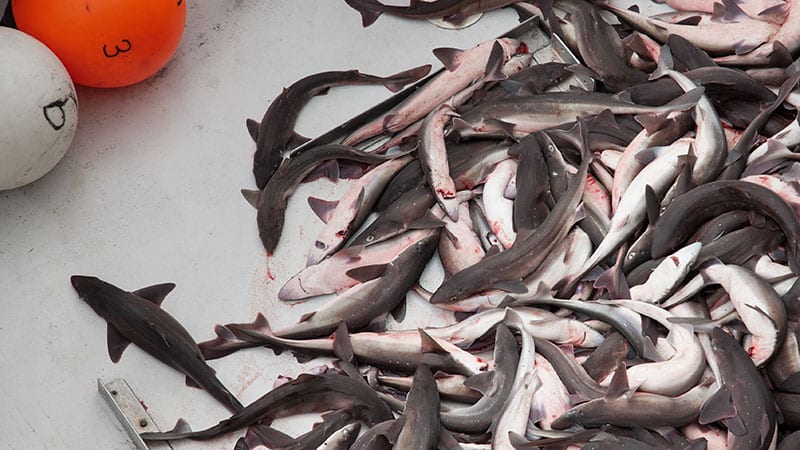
370,238
320,245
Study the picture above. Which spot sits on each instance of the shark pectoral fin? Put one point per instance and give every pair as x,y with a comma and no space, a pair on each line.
306,316
399,311
251,196
500,125
429,220
428,343
652,205
117,343
619,382
513,87
252,128
241,444
652,123
719,406
459,126
764,430
513,286
155,293
691,20
342,348
453,238
301,358
506,302
777,10
687,100
742,48
353,252
377,325
481,382
735,425
366,273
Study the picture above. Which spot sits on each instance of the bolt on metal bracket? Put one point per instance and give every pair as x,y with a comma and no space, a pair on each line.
130,412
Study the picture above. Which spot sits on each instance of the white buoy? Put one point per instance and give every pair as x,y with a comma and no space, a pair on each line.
39,112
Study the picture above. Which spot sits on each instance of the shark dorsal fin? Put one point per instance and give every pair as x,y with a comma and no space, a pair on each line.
449,57
156,293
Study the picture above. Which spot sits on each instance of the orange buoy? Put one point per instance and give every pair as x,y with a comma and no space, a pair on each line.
106,43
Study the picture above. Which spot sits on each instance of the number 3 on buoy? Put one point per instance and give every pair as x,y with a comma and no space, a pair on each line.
103,43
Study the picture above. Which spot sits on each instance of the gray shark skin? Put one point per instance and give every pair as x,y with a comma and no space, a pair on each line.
265,435
306,393
530,248
275,134
662,411
136,317
599,45
495,386
469,164
686,212
400,351
453,10
721,83
274,198
361,304
743,402
421,428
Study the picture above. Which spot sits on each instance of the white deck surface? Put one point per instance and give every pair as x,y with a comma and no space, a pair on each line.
149,193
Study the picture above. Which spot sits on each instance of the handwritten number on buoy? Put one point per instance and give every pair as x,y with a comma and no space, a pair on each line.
126,47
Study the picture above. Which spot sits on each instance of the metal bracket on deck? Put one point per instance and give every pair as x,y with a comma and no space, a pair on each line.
129,411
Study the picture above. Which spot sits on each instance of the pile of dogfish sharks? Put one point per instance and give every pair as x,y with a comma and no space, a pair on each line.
621,265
